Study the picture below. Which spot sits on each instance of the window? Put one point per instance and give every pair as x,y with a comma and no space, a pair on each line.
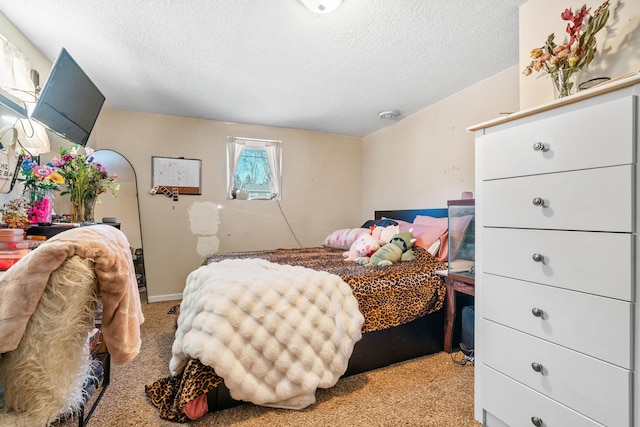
253,169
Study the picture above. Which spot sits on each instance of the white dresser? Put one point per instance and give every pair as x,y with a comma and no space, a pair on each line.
557,206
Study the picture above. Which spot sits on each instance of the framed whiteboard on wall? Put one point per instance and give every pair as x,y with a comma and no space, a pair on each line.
177,172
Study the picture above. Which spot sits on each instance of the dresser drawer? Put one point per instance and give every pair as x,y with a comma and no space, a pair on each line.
585,384
594,325
595,263
509,152
592,199
516,405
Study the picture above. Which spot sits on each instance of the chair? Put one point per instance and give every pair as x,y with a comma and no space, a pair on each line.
44,378
46,370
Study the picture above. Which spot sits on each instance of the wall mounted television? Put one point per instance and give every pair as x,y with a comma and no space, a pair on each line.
70,102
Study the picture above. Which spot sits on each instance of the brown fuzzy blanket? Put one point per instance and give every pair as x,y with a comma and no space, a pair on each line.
23,284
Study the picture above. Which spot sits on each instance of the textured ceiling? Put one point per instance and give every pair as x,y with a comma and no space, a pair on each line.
274,62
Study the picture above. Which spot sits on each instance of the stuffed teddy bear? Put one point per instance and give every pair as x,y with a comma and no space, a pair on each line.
364,246
398,249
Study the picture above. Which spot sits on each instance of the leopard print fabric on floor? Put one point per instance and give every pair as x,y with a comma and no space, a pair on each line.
170,394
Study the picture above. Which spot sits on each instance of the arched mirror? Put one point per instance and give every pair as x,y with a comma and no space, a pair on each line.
124,207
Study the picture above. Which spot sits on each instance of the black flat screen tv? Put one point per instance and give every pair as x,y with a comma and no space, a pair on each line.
70,102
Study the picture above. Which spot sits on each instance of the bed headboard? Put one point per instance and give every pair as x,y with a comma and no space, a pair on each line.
410,214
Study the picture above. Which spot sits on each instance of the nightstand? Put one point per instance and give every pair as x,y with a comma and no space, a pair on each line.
454,283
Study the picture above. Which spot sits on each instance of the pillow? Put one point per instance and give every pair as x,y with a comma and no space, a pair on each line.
459,227
443,251
426,235
369,223
343,238
384,222
433,249
397,221
430,220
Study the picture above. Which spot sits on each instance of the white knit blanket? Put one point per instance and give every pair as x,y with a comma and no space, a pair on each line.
274,333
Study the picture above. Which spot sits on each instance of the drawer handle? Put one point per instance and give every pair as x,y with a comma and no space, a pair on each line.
537,257
539,146
538,201
536,367
536,421
536,312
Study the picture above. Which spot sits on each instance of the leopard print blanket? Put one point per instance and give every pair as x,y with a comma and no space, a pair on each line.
387,297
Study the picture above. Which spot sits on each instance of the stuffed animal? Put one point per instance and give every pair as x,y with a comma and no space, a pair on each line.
375,231
364,246
384,234
398,249
388,233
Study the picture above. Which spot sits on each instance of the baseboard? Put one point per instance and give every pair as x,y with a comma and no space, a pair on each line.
160,298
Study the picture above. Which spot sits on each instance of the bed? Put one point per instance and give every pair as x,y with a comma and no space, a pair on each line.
400,332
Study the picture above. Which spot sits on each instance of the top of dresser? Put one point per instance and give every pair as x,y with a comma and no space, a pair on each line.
585,94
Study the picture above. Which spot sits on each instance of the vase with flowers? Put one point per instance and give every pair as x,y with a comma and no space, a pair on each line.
563,62
40,182
84,179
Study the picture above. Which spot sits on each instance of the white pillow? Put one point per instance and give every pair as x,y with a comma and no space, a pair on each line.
433,249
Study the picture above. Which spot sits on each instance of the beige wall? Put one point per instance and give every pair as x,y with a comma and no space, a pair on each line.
618,43
321,190
428,158
329,181
322,185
